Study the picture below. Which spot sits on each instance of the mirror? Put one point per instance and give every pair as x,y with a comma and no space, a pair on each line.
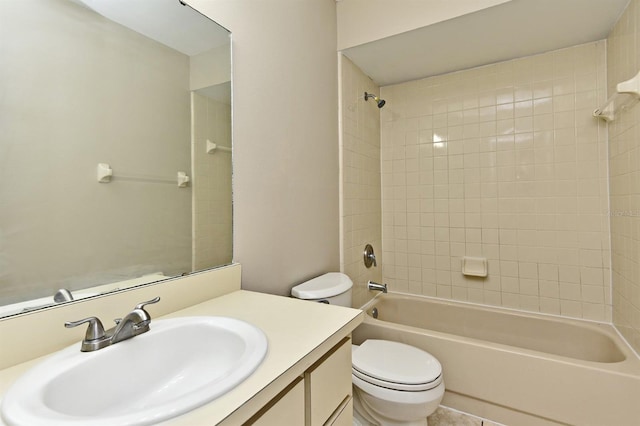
115,151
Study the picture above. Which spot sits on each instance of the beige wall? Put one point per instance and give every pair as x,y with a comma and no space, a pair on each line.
623,60
363,21
69,107
505,162
361,209
285,137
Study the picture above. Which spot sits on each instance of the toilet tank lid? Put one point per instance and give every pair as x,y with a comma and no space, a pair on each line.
327,285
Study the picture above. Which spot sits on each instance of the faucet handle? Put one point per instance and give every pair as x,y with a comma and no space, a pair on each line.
95,330
369,256
141,305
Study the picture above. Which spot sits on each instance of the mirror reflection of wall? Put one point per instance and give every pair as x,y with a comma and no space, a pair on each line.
212,210
79,89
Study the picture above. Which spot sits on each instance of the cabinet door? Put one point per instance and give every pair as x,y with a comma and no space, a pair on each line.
328,384
286,409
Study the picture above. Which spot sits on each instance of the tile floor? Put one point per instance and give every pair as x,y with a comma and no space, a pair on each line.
448,417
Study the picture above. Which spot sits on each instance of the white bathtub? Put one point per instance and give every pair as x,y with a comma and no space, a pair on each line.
513,367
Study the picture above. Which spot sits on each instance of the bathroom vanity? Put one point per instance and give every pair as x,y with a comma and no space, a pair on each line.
305,377
306,374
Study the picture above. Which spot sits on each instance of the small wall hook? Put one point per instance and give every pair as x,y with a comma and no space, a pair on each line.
104,173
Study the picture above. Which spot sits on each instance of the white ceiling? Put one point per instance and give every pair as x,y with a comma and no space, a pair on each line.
511,30
165,21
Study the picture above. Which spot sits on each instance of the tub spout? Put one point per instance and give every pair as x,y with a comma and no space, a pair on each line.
378,287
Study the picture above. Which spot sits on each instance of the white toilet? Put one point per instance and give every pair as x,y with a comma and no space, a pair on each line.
393,384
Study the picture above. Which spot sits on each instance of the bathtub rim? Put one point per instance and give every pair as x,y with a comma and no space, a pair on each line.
629,366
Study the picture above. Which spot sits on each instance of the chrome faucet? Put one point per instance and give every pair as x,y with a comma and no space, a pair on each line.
378,287
134,323
62,295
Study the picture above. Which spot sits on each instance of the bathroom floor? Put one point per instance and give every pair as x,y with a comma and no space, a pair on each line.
448,417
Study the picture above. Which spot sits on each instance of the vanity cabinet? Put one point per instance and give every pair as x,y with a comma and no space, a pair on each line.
304,380
320,397
328,385
285,409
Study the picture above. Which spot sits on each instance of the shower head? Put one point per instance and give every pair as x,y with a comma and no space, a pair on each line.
379,101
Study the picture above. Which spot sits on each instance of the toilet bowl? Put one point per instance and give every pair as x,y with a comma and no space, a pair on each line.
394,384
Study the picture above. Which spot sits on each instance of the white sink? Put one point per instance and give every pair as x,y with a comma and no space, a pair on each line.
178,365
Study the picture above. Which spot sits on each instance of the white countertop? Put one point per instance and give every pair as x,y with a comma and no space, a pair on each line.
299,333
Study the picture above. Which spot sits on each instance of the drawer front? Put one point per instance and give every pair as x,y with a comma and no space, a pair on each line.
343,415
287,409
329,384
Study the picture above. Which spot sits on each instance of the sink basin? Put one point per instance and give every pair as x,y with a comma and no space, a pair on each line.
178,365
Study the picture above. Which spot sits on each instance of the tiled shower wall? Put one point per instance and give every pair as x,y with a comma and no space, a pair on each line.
623,62
505,162
361,214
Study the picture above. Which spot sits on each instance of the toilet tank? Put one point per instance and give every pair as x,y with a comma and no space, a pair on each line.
333,288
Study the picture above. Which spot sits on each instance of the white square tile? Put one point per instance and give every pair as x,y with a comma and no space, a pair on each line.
522,184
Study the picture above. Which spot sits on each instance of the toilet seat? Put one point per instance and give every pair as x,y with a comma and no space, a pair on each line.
395,366
396,396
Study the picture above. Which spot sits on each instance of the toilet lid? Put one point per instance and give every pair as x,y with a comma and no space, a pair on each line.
394,362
